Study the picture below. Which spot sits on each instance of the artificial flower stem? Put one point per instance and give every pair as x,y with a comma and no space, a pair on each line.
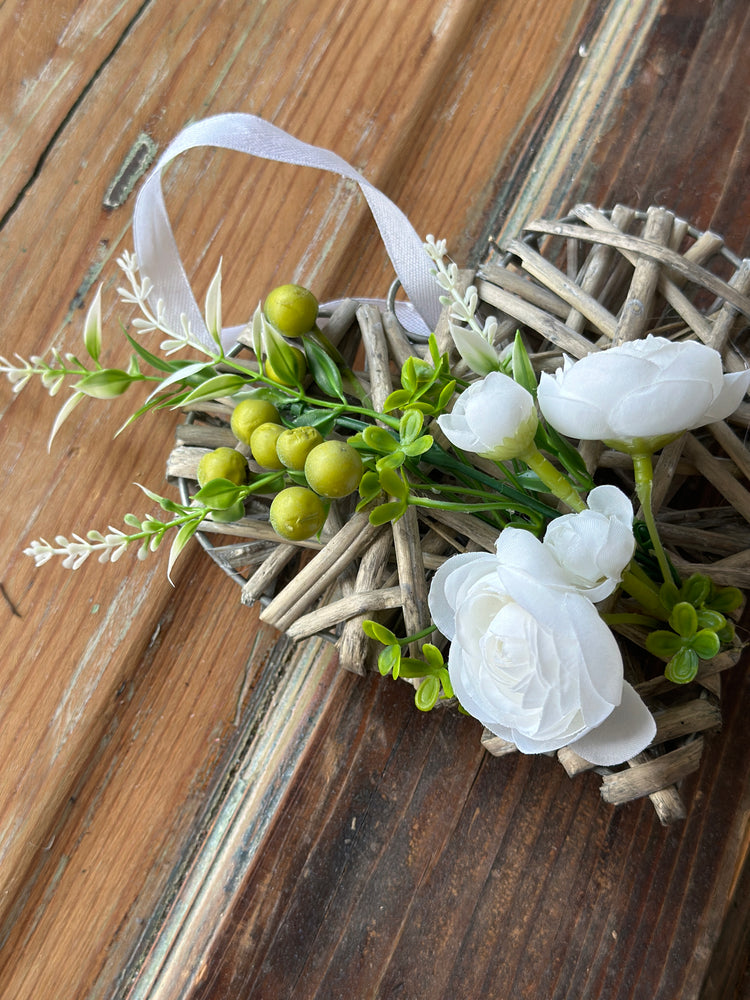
644,593
644,483
552,478
626,618
416,637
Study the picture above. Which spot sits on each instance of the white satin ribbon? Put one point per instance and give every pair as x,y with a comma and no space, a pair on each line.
159,258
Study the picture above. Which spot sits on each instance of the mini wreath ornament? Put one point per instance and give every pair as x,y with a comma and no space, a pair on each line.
473,486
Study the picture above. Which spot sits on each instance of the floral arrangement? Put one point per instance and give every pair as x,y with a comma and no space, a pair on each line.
532,653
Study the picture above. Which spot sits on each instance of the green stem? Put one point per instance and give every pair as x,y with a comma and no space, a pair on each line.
644,483
417,635
464,508
461,470
296,395
552,478
625,618
644,593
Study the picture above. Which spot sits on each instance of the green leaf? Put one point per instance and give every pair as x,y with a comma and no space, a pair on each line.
282,359
182,374
478,354
389,659
214,388
419,447
706,643
434,350
684,619
411,667
696,589
683,667
663,644
523,371
569,456
708,618
410,426
387,512
394,461
309,416
378,632
726,634
369,486
92,327
323,369
432,655
107,383
427,694
409,375
163,502
397,399
213,308
446,394
183,536
726,599
152,359
393,484
63,414
219,494
445,680
379,439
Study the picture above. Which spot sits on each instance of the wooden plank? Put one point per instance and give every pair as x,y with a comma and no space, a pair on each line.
616,913
521,880
120,693
54,56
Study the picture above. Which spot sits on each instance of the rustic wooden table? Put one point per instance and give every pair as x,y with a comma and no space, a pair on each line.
189,805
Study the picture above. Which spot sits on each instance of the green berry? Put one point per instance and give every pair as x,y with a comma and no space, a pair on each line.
297,513
292,309
263,445
333,469
251,413
222,463
295,444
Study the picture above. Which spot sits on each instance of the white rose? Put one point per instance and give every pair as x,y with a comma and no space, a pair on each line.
595,546
644,392
535,664
495,417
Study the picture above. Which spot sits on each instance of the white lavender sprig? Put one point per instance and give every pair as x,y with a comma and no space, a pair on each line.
474,340
148,534
138,295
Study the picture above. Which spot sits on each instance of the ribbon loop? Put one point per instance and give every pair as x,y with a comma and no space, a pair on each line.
159,258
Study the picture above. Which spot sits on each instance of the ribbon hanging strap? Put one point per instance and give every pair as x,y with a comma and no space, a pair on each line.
157,252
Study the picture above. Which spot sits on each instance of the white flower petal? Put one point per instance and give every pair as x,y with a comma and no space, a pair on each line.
493,413
733,389
645,389
626,732
612,502
522,556
443,607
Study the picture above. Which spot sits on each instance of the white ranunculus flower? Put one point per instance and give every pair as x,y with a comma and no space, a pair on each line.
645,392
535,663
586,551
595,546
495,417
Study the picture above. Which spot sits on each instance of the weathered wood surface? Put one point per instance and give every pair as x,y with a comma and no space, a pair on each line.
156,838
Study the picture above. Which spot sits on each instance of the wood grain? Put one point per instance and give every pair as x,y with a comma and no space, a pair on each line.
385,854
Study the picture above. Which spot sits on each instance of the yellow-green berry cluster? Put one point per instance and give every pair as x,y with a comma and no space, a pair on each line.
331,468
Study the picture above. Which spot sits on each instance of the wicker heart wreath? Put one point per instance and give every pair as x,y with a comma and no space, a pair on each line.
468,536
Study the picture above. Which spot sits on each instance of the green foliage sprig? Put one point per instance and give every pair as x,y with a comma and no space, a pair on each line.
435,683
